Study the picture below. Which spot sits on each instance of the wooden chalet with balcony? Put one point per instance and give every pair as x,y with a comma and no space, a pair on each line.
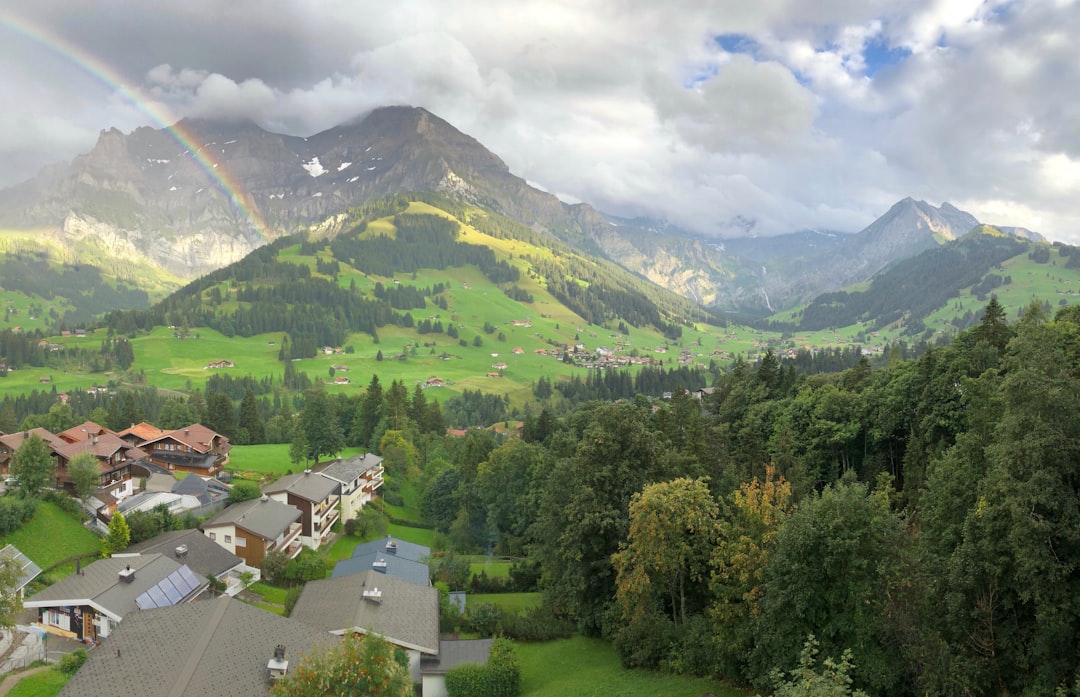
317,499
252,528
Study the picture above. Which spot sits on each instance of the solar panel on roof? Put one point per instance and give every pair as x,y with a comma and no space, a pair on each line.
190,580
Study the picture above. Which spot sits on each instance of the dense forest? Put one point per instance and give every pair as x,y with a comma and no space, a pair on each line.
922,514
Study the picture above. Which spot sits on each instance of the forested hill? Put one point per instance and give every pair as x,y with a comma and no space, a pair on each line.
350,285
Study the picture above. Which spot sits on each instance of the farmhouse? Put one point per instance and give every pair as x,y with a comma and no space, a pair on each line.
219,364
195,449
201,555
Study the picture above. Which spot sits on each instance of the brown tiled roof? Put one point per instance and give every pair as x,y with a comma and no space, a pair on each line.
143,431
84,431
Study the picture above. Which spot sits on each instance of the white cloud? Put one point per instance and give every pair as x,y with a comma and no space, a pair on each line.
630,104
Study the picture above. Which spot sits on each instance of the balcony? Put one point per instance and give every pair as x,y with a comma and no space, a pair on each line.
287,539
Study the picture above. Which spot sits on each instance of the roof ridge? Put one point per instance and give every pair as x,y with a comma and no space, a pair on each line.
194,658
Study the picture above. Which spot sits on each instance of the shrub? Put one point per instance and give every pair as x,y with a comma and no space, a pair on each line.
466,680
643,644
483,618
291,596
309,565
14,512
536,624
273,566
70,663
244,491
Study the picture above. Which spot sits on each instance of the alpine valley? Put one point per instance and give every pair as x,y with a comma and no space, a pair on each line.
143,213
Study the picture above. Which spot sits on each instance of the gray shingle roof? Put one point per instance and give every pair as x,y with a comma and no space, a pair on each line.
28,570
405,569
100,585
347,470
266,518
403,549
407,614
204,556
211,648
454,653
306,485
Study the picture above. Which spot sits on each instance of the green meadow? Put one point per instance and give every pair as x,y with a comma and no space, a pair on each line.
589,668
65,536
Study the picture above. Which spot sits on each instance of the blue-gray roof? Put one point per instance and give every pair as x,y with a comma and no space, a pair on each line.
401,549
405,569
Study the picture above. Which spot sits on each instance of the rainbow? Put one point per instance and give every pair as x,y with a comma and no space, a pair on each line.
92,66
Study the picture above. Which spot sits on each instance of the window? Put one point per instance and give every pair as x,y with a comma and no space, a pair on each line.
241,542
228,539
213,536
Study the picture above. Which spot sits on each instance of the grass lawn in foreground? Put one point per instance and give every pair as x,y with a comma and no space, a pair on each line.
52,535
590,668
47,683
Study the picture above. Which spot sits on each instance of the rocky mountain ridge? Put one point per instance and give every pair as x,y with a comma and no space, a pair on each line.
205,193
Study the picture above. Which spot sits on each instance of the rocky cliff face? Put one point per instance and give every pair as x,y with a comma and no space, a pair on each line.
192,203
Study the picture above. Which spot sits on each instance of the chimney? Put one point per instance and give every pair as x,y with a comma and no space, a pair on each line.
264,498
391,545
307,472
380,565
187,431
25,434
78,566
94,441
374,595
127,575
278,666
181,551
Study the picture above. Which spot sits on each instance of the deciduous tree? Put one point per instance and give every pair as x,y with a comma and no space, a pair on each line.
33,466
360,666
85,474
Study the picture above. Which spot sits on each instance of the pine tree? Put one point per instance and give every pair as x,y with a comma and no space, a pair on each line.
119,536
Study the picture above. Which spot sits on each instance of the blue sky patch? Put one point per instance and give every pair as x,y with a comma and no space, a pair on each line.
878,54
737,43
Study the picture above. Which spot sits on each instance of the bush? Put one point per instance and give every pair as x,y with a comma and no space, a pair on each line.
64,502
309,565
394,498
273,567
536,624
644,644
693,650
14,512
70,663
243,490
501,677
483,618
466,680
291,596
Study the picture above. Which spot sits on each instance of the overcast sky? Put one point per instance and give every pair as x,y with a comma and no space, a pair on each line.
775,114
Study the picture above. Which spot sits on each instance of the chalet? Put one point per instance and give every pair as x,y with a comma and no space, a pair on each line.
315,497
495,375
434,382
11,442
201,555
45,378
252,528
521,323
517,350
219,364
405,614
194,449
90,603
140,433
341,380
499,366
217,648
28,570
115,458
359,477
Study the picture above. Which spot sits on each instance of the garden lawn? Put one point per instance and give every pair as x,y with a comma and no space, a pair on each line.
494,567
52,535
418,536
271,458
511,602
590,668
47,683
